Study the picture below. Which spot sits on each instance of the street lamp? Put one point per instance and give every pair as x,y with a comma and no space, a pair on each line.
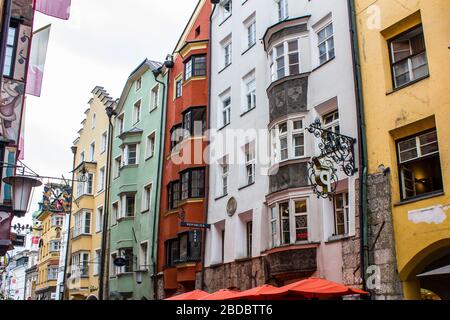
21,189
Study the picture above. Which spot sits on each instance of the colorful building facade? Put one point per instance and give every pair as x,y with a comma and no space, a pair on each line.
183,190
135,180
87,214
403,47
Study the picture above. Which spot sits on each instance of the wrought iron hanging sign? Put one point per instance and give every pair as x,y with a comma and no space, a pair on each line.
334,148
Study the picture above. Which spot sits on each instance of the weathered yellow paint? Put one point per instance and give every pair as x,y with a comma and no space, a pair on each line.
393,114
89,243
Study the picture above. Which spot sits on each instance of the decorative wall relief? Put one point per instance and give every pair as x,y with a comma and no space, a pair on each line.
23,44
11,103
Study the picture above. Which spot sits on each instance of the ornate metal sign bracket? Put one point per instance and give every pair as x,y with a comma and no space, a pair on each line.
334,148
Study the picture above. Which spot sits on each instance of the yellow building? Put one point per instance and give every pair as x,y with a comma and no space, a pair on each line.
404,53
51,223
87,214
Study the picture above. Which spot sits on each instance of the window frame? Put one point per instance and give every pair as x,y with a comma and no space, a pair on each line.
274,58
190,70
276,137
282,9
325,41
14,24
345,211
189,184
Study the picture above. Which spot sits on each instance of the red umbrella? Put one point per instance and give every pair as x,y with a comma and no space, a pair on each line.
192,295
317,288
258,293
223,294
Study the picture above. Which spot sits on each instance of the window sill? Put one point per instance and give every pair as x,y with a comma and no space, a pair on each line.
128,166
221,197
248,49
153,109
420,198
248,111
338,238
223,127
407,85
150,157
225,20
125,218
145,211
224,68
323,64
246,186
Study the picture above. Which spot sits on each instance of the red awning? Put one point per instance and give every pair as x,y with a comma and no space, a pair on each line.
223,294
258,293
192,295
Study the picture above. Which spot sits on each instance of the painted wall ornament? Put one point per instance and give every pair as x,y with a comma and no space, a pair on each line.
10,109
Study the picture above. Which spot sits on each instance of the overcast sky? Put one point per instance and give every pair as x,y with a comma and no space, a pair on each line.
101,44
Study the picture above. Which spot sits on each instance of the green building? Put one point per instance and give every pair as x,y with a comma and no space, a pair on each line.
135,183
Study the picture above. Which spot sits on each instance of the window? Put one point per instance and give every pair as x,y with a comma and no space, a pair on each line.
82,223
331,121
249,238
99,220
195,66
197,31
301,220
101,179
117,166
120,124
408,57
176,135
147,198
130,154
11,44
194,122
179,88
138,84
173,194
285,59
288,140
92,151
285,225
112,267
273,225
185,248
150,146
326,43
104,141
97,261
137,112
82,157
143,256
115,212
227,53
341,217
249,164
94,120
227,8
57,221
250,92
128,206
55,245
282,9
419,165
86,187
128,255
251,33
224,176
154,98
226,111
52,273
193,184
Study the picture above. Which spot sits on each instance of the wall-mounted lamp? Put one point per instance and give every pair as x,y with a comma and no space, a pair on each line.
21,190
169,61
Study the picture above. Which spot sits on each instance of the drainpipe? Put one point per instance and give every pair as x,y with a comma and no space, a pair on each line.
161,156
205,209
362,145
103,283
67,259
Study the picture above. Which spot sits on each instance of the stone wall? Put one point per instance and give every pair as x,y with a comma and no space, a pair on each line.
381,242
243,275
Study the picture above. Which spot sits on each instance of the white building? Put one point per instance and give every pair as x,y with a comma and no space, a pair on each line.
277,65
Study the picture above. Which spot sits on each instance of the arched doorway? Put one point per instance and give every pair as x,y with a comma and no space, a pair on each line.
435,277
92,297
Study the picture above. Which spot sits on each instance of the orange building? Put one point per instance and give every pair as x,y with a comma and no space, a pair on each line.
183,195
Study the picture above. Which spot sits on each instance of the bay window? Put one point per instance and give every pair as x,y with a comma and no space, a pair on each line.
195,66
82,223
128,205
301,220
419,165
130,154
57,221
80,264
55,245
285,59
173,190
185,248
176,135
193,183
194,122
52,273
288,140
408,57
285,231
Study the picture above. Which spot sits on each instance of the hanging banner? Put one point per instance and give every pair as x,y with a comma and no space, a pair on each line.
38,55
55,8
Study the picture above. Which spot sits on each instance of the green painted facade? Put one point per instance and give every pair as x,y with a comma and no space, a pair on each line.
134,236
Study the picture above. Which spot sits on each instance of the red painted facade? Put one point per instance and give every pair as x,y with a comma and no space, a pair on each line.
179,252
